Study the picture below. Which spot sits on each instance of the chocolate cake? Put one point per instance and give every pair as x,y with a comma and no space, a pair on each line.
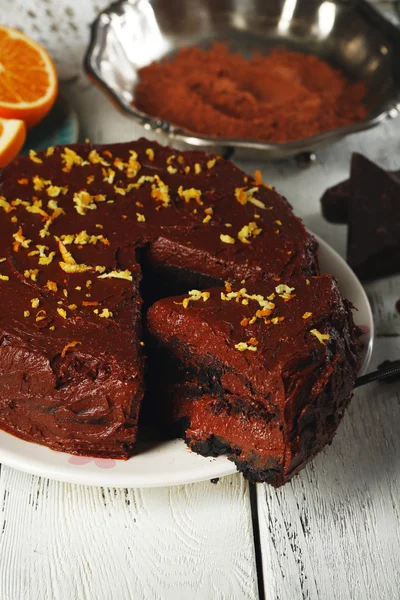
263,375
91,236
79,226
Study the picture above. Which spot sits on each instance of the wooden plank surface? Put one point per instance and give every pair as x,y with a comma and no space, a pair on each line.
334,531
66,542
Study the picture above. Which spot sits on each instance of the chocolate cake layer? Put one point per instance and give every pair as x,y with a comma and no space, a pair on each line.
79,227
264,373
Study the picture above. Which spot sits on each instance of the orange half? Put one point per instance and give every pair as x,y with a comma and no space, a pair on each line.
28,78
12,138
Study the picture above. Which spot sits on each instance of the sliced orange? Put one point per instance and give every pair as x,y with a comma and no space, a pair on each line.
12,138
28,78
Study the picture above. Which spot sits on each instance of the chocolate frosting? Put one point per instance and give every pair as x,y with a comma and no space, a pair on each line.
76,226
276,374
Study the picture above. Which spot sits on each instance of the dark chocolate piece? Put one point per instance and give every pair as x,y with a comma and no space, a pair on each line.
368,203
373,245
335,203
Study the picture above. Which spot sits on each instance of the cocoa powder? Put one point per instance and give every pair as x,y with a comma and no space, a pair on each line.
281,97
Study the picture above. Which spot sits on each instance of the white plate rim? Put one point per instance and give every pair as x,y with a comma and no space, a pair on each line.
41,461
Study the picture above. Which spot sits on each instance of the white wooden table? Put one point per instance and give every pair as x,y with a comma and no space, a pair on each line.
334,532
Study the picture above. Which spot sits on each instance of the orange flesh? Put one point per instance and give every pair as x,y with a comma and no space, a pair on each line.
23,74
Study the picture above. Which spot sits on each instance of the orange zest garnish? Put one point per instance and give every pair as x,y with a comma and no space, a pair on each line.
68,346
258,177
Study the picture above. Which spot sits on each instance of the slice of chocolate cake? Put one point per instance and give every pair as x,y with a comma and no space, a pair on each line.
262,373
79,228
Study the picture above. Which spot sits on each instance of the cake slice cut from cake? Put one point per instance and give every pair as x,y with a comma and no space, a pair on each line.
262,374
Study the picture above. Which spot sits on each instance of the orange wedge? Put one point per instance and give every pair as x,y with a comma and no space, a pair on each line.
12,137
28,78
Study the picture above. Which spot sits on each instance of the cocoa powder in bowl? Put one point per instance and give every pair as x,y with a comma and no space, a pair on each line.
281,97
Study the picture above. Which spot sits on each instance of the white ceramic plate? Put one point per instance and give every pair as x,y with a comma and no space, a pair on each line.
167,463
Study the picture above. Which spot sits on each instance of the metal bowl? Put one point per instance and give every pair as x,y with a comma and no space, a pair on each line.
351,35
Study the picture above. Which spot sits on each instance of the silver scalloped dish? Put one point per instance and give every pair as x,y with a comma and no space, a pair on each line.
353,36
